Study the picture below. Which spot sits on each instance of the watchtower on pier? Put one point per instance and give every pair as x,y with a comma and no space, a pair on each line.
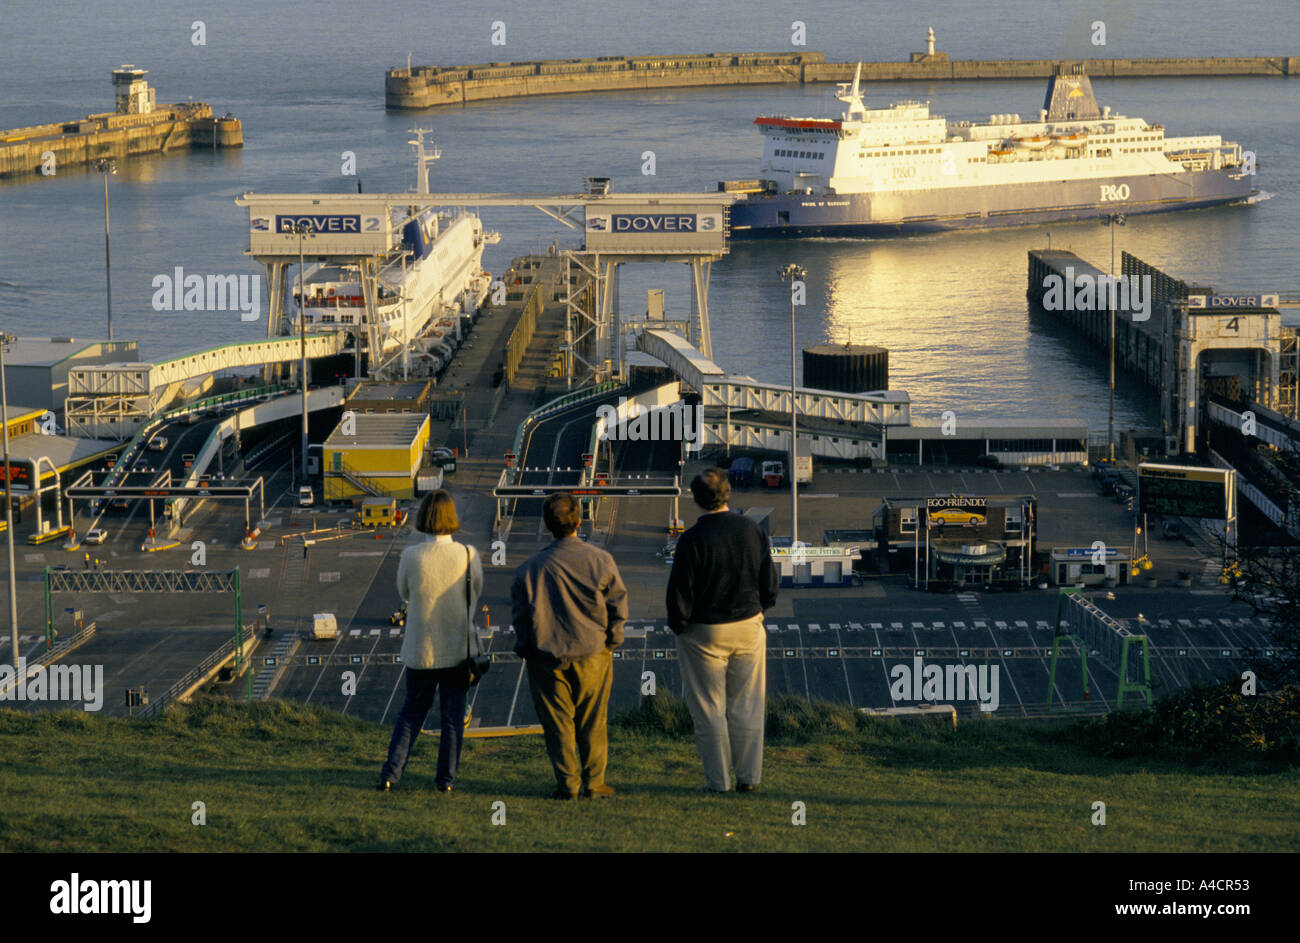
133,94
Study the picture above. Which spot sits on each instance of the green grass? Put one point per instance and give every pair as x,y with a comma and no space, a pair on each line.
277,776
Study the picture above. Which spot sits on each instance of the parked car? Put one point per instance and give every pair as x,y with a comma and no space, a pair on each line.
957,516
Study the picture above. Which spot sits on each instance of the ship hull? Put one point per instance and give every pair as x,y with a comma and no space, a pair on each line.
980,207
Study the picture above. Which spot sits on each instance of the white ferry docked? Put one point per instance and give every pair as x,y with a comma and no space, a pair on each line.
423,290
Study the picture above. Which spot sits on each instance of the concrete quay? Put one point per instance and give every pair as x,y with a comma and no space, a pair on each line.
420,87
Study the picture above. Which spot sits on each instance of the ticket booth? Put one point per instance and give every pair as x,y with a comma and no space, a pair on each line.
967,563
1074,566
814,566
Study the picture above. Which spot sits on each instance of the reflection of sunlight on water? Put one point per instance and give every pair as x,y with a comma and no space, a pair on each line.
950,308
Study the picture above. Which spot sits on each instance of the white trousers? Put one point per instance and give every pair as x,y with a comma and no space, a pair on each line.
724,680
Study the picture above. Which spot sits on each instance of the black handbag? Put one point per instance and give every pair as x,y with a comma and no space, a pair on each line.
474,667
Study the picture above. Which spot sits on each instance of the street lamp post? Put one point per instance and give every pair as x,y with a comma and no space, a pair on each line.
107,167
793,273
302,229
1111,220
6,339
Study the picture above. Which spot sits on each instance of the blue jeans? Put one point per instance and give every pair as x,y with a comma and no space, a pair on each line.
421,686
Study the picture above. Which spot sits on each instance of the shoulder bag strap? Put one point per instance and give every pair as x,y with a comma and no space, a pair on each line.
469,604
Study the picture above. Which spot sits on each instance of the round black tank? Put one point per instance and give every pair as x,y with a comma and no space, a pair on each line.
846,368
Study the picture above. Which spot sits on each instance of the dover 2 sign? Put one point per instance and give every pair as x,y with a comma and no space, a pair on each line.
333,227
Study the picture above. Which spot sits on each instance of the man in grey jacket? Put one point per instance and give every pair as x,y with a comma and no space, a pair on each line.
569,606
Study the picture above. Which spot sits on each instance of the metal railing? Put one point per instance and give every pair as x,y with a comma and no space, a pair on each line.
193,676
75,641
122,466
342,469
522,335
557,404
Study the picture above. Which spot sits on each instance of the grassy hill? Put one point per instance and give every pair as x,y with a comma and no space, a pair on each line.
278,776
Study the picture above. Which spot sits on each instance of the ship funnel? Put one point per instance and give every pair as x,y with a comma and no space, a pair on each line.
1069,95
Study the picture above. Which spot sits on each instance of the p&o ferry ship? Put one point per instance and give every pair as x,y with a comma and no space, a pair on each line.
885,171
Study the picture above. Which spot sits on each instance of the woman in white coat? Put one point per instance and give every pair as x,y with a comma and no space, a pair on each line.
440,580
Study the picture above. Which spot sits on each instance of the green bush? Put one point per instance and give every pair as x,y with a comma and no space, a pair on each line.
796,719
662,713
790,719
1206,722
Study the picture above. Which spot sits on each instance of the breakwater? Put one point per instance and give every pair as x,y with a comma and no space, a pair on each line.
164,129
429,86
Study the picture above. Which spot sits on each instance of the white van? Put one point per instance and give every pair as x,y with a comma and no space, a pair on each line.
306,497
324,625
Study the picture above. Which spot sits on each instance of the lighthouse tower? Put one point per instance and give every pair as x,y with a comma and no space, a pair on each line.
929,56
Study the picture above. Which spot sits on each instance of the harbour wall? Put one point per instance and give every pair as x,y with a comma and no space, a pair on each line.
166,128
430,86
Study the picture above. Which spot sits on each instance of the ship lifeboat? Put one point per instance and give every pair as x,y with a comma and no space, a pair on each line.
1036,143
1001,151
1070,140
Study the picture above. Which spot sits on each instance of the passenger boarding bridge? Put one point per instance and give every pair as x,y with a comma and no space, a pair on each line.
113,401
743,413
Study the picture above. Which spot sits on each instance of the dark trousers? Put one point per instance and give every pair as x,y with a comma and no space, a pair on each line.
421,686
572,702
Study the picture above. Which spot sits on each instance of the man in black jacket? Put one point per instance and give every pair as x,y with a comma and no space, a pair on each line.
722,580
